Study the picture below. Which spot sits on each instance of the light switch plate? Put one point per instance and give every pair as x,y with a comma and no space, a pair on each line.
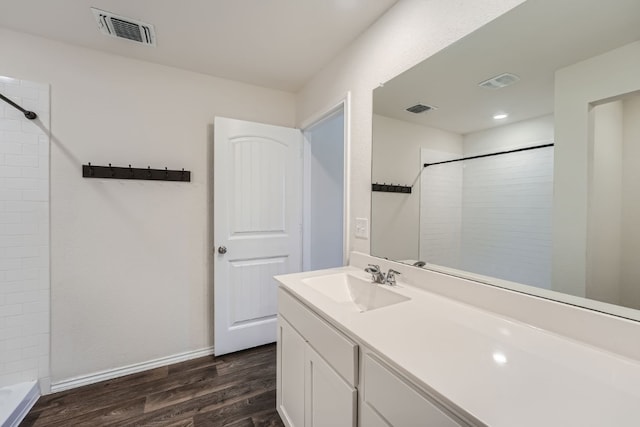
362,228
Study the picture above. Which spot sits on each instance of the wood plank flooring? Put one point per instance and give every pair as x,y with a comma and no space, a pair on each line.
236,390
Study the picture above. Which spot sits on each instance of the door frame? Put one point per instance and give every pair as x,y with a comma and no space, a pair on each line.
342,105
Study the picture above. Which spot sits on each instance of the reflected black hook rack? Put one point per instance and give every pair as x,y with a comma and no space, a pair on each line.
118,172
390,188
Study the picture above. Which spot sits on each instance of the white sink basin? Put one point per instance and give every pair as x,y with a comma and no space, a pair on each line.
348,289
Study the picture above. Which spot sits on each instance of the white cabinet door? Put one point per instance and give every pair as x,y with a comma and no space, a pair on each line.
317,369
291,372
368,417
329,400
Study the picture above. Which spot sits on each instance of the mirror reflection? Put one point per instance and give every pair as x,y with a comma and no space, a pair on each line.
519,145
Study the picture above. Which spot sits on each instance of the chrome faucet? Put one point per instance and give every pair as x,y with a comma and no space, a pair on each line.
378,276
391,277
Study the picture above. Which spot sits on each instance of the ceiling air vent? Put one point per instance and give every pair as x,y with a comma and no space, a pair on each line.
124,28
500,81
420,108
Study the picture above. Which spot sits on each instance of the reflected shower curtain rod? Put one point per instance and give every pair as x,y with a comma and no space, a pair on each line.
489,155
28,114
479,156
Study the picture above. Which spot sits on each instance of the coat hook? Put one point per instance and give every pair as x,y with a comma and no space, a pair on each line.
166,172
130,170
90,169
149,170
111,169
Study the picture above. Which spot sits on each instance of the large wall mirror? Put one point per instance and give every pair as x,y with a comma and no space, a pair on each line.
544,105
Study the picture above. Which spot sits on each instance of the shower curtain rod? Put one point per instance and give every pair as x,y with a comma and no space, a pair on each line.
489,155
28,114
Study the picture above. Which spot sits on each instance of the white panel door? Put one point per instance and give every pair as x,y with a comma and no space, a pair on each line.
257,227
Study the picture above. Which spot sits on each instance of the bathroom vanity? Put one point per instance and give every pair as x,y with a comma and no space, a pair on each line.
356,353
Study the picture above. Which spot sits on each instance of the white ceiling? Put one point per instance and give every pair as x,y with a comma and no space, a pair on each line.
278,44
532,40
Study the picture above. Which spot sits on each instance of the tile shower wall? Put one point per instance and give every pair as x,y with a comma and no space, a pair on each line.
24,235
506,217
507,203
492,216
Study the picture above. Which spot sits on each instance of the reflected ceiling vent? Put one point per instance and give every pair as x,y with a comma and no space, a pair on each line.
497,82
124,28
421,108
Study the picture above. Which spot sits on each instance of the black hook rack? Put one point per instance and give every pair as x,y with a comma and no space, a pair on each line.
390,188
118,172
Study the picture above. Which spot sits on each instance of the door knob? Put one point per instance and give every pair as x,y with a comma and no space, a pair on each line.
222,250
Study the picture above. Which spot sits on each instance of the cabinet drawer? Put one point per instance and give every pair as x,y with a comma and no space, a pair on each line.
339,351
399,403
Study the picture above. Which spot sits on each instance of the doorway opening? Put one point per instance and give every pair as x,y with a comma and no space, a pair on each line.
325,192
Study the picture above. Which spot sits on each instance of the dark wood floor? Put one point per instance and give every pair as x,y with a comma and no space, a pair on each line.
237,390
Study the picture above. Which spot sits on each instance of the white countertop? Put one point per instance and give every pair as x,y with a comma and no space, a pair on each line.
500,371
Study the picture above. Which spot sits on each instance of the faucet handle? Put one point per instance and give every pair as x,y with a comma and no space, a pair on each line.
372,268
391,276
376,275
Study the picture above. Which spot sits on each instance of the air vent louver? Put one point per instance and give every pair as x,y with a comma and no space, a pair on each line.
420,108
500,81
125,28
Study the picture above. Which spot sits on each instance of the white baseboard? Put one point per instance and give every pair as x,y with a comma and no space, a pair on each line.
127,370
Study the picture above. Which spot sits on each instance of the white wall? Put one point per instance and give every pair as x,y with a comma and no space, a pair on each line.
24,234
577,88
408,33
605,204
630,221
507,203
326,210
396,148
613,235
536,131
131,260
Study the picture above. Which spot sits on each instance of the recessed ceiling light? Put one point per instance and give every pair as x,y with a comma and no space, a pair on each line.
500,81
501,116
499,358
